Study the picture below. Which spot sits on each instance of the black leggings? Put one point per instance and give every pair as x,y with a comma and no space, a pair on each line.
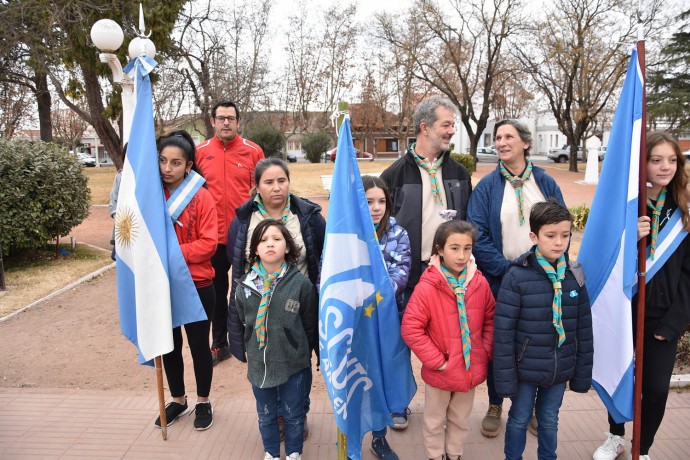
219,315
659,359
197,337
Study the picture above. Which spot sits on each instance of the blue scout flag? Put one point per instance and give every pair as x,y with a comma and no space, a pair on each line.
609,252
155,290
365,363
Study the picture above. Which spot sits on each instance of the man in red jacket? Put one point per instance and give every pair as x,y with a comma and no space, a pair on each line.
227,163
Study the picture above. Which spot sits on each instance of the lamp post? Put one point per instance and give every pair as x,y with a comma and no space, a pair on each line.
107,35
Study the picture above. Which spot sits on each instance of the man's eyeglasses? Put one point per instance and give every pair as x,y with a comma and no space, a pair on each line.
222,120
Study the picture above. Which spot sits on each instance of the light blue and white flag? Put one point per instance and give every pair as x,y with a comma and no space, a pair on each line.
155,290
609,252
364,361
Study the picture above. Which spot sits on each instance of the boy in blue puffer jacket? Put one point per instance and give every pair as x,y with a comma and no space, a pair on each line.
542,332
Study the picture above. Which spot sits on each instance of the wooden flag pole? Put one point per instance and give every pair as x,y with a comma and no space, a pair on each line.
641,256
342,439
161,397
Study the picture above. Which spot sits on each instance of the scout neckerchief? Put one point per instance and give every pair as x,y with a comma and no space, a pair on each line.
183,194
431,169
269,280
556,276
656,218
458,285
517,182
262,209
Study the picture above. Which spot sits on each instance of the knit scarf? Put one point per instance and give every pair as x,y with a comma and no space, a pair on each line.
555,276
269,281
431,169
656,217
517,182
262,209
458,285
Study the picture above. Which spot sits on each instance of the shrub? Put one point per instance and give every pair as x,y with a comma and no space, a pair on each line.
580,215
466,160
269,137
314,144
43,194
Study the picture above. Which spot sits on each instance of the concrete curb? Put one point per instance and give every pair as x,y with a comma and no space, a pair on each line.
680,381
72,285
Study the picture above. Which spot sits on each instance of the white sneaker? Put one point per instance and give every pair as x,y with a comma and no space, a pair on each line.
270,457
294,456
612,447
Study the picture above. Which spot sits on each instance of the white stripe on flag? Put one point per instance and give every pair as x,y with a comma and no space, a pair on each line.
611,310
154,317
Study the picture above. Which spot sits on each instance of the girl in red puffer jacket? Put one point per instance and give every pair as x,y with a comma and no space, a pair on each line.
448,324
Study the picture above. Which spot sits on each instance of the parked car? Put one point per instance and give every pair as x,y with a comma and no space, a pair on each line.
360,155
86,160
487,154
291,157
687,154
563,154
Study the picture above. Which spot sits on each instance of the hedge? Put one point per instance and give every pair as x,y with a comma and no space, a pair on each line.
43,194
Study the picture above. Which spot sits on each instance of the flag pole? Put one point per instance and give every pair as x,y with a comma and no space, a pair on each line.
342,439
641,249
161,397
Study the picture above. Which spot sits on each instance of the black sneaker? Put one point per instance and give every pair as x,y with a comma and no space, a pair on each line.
172,411
203,416
381,449
220,354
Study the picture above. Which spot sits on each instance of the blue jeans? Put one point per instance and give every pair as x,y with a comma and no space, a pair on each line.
548,403
292,395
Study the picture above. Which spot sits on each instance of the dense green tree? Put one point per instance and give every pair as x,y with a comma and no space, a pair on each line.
268,136
50,40
668,100
314,144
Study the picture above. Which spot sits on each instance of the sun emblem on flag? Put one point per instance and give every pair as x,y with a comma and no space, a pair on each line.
126,227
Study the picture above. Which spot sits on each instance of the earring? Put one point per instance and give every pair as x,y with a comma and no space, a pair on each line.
186,174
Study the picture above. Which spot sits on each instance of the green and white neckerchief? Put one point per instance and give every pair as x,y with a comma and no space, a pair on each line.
431,168
458,285
556,276
262,209
266,291
656,218
517,182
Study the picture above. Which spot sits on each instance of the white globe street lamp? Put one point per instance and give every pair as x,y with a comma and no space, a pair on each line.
107,35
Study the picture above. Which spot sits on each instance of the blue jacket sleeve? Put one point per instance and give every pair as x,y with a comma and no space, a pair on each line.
506,317
489,259
399,260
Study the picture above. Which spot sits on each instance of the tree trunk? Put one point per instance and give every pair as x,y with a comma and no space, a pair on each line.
106,133
43,100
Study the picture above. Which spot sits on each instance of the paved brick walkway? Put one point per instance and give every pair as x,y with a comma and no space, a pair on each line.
65,424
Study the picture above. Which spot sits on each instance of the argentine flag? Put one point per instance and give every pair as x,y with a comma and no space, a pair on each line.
155,290
364,361
609,252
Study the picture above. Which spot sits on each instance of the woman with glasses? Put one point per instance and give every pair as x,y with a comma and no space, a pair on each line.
500,207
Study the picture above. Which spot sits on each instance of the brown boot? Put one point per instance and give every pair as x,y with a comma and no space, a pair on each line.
491,423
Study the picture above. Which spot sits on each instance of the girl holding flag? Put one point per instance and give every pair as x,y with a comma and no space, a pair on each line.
192,209
277,305
395,247
667,304
449,325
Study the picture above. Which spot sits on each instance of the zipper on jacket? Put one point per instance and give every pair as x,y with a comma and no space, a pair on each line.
555,363
522,351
